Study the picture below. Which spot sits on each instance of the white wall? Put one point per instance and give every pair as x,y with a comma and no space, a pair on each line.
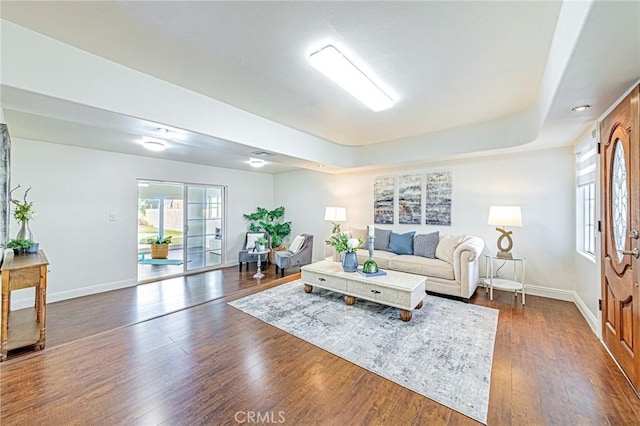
586,269
75,190
541,182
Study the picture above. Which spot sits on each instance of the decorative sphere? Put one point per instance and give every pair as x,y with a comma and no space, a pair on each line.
370,267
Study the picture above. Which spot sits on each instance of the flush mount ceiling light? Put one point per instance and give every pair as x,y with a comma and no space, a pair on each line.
345,74
580,108
153,144
256,162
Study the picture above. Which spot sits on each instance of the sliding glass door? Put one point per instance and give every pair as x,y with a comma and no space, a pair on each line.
192,215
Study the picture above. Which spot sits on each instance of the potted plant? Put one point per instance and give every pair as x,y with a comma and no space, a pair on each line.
271,221
159,247
261,244
19,245
343,244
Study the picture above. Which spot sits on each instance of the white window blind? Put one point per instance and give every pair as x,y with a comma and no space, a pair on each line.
586,163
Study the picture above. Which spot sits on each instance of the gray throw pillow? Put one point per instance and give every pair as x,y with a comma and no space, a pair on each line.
425,244
381,241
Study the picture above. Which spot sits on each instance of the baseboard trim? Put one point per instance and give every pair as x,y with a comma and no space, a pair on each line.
588,315
550,293
72,294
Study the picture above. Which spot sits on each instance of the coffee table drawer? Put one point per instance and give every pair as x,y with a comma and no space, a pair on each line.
324,281
380,293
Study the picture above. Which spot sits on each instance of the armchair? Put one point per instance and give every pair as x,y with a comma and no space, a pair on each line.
249,243
287,259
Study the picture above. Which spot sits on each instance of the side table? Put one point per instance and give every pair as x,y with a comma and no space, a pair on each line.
516,284
28,326
258,254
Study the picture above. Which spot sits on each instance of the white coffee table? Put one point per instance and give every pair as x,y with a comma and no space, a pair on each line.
398,289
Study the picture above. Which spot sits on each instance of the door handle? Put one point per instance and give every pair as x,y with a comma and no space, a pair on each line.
633,234
635,252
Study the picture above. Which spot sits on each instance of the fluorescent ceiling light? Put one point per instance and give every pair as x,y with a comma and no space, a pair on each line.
256,162
345,74
153,144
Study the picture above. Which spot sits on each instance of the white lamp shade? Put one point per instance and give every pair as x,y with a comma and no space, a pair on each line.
335,214
505,216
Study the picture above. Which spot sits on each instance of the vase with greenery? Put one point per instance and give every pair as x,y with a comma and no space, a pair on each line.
23,213
159,246
343,244
261,244
270,221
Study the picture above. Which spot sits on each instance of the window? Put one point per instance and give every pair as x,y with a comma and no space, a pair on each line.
586,162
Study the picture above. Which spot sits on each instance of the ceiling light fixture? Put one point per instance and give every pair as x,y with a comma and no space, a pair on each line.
162,130
345,74
256,162
153,144
580,108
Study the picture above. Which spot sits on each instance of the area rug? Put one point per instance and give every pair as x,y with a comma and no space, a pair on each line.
444,353
160,262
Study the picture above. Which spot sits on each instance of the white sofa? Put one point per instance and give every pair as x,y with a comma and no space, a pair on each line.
454,271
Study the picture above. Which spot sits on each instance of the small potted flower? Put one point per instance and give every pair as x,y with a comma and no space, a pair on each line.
159,247
19,245
343,244
261,244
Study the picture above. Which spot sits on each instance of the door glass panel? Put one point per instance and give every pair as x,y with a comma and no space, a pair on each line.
619,198
204,224
160,214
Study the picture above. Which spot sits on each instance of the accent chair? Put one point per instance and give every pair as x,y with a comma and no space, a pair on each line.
303,256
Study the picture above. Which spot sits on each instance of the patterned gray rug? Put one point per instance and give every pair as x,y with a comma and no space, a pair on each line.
444,353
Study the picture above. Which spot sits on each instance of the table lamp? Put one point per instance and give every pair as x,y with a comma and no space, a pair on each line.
335,215
504,216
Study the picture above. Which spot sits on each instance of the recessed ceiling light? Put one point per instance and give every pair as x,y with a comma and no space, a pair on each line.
153,144
580,108
345,74
256,162
162,130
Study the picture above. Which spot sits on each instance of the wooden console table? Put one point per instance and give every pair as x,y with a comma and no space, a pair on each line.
27,325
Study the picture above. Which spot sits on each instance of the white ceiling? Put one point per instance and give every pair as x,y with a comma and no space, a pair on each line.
450,65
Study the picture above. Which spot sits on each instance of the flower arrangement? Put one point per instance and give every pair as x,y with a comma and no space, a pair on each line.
342,242
24,209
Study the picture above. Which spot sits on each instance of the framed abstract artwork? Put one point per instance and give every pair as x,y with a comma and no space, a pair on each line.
438,192
383,199
410,199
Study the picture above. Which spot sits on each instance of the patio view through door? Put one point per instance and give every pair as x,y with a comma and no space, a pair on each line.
192,215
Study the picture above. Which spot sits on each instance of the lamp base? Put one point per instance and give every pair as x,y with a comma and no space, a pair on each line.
504,255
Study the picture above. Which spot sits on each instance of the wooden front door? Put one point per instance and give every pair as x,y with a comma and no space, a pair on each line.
620,183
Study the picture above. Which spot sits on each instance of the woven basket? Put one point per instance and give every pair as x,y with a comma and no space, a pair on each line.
159,251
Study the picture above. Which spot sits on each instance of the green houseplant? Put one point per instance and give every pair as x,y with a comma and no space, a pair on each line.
159,247
271,221
19,245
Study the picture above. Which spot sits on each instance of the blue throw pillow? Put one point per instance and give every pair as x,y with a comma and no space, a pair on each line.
401,243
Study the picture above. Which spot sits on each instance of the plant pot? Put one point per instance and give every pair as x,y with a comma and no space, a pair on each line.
34,248
350,262
159,251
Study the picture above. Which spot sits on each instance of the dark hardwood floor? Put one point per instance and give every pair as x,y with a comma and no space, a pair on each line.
212,364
